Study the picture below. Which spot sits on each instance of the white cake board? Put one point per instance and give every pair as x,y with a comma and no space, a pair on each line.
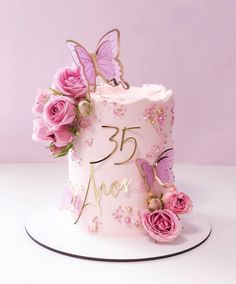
51,230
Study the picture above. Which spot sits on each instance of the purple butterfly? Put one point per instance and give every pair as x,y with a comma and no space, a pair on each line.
71,202
104,62
160,171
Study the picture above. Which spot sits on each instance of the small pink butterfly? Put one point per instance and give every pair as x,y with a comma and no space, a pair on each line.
71,202
160,171
104,62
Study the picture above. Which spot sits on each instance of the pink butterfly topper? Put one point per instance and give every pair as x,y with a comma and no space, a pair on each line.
104,62
160,171
71,202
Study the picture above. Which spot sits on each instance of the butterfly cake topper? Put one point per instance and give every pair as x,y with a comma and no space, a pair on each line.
105,62
161,170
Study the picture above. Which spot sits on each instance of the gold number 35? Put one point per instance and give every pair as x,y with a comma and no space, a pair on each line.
116,144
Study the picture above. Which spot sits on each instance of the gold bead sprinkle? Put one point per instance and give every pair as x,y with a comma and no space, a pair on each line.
129,209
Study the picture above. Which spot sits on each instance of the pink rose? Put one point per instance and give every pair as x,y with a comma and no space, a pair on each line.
162,225
40,131
60,137
40,101
177,202
59,111
69,82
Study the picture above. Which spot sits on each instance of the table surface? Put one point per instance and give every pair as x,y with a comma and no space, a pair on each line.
26,187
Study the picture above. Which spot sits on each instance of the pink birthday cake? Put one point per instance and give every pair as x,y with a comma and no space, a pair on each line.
118,139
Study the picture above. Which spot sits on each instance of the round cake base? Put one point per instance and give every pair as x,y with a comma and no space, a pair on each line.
53,231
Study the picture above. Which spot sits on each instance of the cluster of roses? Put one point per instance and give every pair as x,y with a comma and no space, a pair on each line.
161,220
57,112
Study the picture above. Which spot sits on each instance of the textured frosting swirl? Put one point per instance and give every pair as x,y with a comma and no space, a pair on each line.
153,92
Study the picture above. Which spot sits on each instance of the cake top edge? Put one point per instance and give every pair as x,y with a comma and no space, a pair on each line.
152,92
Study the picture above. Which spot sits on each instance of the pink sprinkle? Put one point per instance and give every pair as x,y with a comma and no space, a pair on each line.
127,220
160,119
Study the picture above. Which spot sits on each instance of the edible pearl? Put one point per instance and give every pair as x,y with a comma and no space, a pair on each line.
129,209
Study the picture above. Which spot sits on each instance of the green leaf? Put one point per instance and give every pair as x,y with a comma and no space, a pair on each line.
56,92
87,98
74,130
64,152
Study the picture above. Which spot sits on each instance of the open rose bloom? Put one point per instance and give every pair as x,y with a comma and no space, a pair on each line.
59,111
56,112
177,202
69,82
161,225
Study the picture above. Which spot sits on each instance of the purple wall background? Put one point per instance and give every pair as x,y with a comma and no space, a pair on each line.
189,46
